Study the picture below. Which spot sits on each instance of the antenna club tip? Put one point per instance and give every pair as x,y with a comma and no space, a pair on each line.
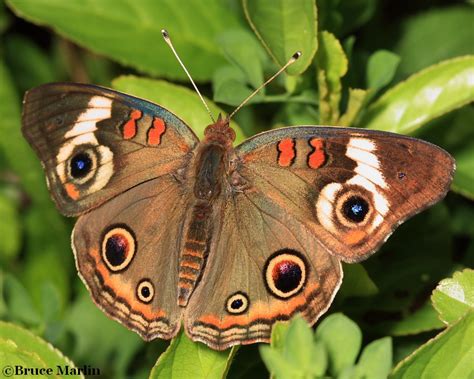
297,55
165,34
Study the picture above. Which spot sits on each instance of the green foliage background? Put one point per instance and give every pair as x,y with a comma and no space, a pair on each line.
406,67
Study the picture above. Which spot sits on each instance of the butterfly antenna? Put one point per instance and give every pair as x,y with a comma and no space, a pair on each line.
292,60
167,39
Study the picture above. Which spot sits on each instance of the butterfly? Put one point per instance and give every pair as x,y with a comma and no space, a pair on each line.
224,239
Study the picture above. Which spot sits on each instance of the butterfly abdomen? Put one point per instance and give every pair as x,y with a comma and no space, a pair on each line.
194,253
209,173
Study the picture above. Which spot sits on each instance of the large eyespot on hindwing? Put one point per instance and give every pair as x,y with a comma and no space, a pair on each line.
237,303
285,273
145,291
118,247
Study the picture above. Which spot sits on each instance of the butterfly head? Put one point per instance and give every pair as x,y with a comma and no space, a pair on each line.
220,132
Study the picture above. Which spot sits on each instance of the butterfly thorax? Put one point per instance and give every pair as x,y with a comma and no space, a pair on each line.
212,161
220,133
209,172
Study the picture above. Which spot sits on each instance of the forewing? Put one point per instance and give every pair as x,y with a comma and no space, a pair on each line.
95,143
350,187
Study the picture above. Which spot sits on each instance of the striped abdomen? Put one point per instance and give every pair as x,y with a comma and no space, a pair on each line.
193,256
207,187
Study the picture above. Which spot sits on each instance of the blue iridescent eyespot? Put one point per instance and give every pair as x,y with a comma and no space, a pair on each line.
81,165
355,208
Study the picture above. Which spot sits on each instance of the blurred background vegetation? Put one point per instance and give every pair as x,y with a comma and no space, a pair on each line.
359,58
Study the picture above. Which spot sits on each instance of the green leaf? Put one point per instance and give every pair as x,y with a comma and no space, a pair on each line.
285,27
461,218
37,273
357,100
100,70
98,340
16,146
342,338
298,340
130,32
376,360
16,359
187,359
30,68
19,303
433,36
356,282
20,347
355,13
241,48
320,359
332,66
419,254
469,256
277,364
279,332
424,96
344,17
183,102
332,59
49,232
10,227
247,364
458,139
329,17
229,87
293,352
454,297
51,306
448,355
422,320
464,175
381,69
3,304
296,114
4,18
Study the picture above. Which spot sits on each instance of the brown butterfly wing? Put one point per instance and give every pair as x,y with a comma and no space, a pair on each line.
262,266
350,187
127,253
95,143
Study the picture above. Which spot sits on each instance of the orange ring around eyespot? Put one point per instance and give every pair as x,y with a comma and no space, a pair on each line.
124,239
281,258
